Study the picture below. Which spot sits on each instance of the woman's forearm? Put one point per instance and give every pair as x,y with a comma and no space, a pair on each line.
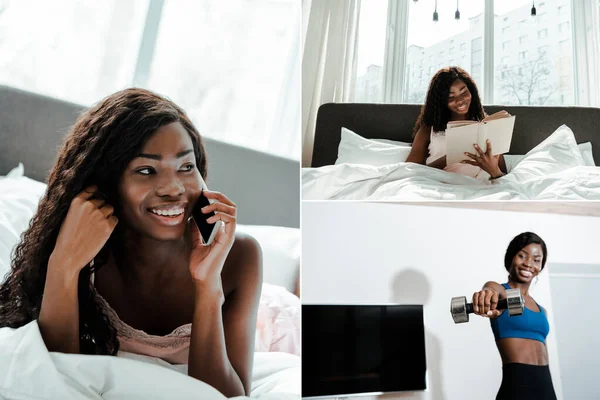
208,360
59,313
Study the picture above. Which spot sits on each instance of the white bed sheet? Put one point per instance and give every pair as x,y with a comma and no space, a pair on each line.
29,372
552,170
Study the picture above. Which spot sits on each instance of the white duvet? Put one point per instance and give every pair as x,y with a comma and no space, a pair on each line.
29,372
555,169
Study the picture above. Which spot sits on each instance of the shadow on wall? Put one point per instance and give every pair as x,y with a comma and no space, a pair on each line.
410,286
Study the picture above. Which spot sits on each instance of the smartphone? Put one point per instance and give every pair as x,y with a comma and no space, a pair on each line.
207,230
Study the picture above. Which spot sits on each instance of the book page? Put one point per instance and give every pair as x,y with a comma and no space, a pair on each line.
459,140
497,115
499,132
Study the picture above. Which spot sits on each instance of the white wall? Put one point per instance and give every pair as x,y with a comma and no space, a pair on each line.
365,253
577,322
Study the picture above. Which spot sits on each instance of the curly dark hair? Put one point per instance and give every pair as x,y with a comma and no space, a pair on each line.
435,112
97,149
518,243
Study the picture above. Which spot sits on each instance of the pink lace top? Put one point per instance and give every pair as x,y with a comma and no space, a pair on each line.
437,149
278,329
173,348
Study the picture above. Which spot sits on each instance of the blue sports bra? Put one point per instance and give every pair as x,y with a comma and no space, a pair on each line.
531,325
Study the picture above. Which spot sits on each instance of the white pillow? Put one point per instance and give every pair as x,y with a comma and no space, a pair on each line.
281,253
512,160
355,149
19,198
556,153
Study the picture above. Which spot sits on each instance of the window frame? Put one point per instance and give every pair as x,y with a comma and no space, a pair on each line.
396,48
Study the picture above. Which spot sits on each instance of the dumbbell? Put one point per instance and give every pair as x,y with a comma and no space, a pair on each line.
514,302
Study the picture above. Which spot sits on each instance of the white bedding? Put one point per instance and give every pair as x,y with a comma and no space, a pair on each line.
555,169
29,372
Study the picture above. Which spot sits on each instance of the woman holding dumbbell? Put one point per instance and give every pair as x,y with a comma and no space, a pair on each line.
521,340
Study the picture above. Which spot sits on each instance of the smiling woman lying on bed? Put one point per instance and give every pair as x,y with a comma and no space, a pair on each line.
100,271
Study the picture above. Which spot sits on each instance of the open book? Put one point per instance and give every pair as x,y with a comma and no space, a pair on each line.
462,135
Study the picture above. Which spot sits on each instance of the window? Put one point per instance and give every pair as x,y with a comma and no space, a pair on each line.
443,41
564,27
371,48
506,45
563,10
242,69
232,69
522,55
505,30
543,49
565,45
522,39
532,69
100,49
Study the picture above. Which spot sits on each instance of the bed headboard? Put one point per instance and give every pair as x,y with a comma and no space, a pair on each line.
265,188
396,121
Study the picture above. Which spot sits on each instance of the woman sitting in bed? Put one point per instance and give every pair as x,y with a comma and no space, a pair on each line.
113,260
452,96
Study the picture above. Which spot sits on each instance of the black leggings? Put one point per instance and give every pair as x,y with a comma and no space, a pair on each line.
527,382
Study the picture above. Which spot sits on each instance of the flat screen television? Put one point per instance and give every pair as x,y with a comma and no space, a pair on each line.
362,349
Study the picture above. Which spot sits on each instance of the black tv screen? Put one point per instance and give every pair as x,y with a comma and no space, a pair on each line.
359,349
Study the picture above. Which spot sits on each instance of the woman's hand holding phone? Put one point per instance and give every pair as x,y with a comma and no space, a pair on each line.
84,231
206,261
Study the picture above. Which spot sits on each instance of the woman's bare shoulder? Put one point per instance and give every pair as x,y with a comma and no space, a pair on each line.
244,262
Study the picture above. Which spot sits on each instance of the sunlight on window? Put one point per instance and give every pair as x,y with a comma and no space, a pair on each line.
540,70
75,51
430,43
232,66
371,49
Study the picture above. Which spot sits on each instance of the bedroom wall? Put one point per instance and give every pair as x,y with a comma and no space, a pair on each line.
365,253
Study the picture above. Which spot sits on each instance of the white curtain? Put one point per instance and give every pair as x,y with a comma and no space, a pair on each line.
586,37
328,64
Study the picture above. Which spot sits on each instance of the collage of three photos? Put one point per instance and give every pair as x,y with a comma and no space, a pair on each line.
284,199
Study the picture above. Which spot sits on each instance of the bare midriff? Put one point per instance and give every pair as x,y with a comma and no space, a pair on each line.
524,351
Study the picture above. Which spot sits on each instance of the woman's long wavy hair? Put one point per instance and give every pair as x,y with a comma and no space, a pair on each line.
98,148
435,112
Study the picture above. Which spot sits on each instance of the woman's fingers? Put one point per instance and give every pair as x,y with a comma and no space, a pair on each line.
475,163
107,210
489,301
479,151
488,149
476,302
88,192
220,207
226,218
220,197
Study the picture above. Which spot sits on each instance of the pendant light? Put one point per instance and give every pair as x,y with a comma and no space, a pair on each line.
533,10
435,13
457,13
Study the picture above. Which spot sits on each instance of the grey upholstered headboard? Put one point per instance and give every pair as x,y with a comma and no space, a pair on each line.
396,121
265,188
